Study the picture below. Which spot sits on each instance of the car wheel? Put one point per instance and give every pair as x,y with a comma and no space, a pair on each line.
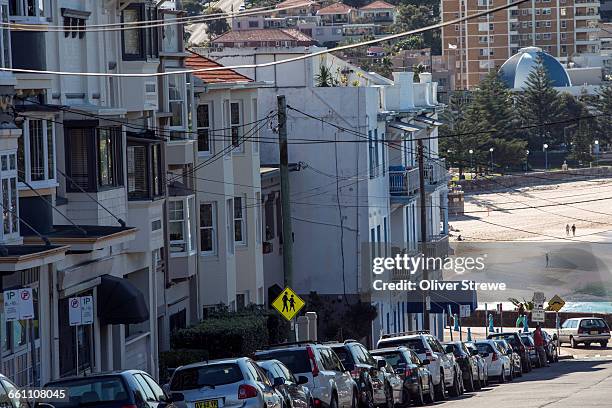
431,398
573,343
455,391
603,344
502,376
520,370
441,389
419,398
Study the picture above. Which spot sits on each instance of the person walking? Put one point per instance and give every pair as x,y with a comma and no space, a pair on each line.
574,229
521,316
567,230
538,340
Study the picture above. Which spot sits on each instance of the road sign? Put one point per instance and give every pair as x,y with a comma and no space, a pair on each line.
538,298
288,303
18,304
80,310
465,310
537,315
556,303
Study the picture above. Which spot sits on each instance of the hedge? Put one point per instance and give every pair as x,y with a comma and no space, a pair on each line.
169,360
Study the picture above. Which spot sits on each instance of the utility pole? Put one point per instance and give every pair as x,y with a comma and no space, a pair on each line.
423,228
285,205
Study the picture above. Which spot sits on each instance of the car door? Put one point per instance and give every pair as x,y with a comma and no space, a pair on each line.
270,396
376,376
151,400
447,361
297,393
332,363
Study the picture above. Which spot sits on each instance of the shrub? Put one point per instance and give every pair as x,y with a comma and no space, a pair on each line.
175,358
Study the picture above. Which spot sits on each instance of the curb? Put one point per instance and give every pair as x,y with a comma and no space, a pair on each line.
566,358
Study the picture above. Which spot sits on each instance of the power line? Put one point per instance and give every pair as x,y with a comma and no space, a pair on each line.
273,63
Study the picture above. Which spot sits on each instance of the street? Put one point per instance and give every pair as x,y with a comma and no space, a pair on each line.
568,383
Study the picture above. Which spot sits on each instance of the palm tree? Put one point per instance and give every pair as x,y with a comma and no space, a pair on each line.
325,77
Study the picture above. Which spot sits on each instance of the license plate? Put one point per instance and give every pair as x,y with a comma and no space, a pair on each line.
207,404
594,332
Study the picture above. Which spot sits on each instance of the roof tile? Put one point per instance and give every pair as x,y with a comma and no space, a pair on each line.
197,61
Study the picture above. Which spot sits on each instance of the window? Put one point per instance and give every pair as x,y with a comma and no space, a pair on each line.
546,11
5,38
86,147
36,149
139,43
563,23
269,217
548,23
563,36
180,214
145,178
236,123
546,36
563,11
30,8
8,187
176,99
229,225
208,228
203,122
240,220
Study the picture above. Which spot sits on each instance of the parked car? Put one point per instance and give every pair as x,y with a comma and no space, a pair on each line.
115,389
236,382
527,340
8,402
417,382
515,358
483,373
550,346
585,330
295,394
498,365
330,384
374,389
392,378
468,366
517,345
442,365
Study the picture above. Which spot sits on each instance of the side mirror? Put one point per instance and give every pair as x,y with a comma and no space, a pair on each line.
382,363
425,362
278,381
302,380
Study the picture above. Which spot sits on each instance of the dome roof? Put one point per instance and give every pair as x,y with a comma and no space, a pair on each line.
516,69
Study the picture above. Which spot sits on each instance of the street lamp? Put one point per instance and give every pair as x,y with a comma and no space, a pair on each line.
527,160
597,152
545,156
491,151
472,161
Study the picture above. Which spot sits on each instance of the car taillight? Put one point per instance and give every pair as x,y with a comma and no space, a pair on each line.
410,372
355,373
494,357
246,391
605,330
317,402
313,361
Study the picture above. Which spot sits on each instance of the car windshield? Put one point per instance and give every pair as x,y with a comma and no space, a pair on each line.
210,375
93,391
415,344
484,348
593,324
394,358
296,360
343,355
527,340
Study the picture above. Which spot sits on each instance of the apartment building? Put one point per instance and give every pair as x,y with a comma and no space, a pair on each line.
562,28
85,199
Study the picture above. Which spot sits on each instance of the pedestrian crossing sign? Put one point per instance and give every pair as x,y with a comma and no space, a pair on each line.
288,303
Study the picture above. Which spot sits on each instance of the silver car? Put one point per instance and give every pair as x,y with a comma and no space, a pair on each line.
236,382
584,330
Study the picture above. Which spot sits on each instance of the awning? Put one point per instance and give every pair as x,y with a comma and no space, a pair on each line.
405,126
120,302
441,299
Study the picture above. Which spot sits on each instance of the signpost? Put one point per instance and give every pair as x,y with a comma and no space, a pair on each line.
555,304
19,305
537,315
80,312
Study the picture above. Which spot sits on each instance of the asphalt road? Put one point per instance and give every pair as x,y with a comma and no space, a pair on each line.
579,383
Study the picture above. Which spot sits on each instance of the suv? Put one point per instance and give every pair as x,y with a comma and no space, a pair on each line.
467,364
374,390
584,330
330,384
514,339
442,365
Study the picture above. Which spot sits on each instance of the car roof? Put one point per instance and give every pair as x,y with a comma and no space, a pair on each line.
212,362
389,349
404,337
99,375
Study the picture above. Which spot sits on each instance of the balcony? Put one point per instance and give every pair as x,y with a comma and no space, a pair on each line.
435,171
29,50
436,247
400,274
403,182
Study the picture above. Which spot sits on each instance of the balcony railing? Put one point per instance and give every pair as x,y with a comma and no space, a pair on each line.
403,181
436,246
435,171
400,274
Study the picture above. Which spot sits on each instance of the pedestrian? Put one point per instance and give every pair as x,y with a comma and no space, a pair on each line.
574,229
567,230
521,316
547,259
538,340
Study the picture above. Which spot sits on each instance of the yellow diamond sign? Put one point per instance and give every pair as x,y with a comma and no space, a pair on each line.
288,303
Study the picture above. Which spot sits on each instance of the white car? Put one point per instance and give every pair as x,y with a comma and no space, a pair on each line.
441,364
498,364
330,384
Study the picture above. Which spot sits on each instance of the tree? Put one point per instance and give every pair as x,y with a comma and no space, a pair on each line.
581,143
325,77
492,108
603,105
538,105
410,17
418,70
217,26
458,135
192,7
412,42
